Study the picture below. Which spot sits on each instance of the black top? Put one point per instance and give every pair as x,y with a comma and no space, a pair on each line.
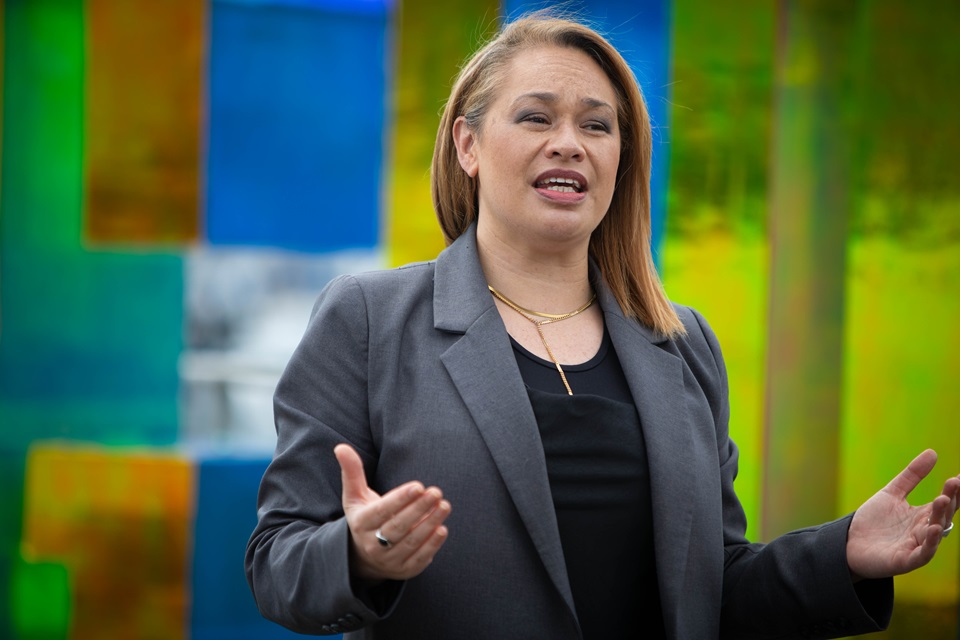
597,466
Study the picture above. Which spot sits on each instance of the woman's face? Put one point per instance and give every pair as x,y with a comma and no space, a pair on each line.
547,153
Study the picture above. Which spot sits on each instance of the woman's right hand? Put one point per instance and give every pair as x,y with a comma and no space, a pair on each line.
410,517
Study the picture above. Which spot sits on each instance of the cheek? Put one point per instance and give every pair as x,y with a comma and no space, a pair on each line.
610,167
615,161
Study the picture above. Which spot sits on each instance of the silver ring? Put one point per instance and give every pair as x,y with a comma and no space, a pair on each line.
947,531
385,542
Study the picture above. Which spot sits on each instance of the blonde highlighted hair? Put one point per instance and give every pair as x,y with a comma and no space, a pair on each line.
620,245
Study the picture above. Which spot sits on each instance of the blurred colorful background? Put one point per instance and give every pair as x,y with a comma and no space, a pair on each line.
178,180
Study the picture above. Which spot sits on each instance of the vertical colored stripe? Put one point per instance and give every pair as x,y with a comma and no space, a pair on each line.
430,46
11,521
2,46
89,341
809,205
296,117
42,64
715,255
223,606
11,460
119,521
142,120
903,276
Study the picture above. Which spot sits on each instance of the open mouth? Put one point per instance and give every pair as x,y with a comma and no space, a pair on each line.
560,185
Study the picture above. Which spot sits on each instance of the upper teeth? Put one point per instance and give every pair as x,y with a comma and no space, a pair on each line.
562,181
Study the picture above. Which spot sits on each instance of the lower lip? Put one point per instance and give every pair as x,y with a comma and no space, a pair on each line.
566,197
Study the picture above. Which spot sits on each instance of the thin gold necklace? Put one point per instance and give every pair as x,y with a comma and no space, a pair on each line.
548,319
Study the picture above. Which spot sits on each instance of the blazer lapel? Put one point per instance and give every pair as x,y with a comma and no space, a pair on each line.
656,382
483,368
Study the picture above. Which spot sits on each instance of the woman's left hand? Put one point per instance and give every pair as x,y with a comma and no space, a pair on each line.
889,537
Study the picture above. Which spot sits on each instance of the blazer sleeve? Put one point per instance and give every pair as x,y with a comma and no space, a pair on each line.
297,559
798,585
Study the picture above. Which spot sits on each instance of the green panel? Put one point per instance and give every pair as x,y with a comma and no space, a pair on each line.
715,251
43,85
11,520
41,602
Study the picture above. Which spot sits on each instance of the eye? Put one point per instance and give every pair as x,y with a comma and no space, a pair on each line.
534,118
597,125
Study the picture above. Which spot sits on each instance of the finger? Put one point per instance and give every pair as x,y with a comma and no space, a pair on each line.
928,547
395,501
940,512
944,507
406,559
951,489
354,479
404,519
424,529
908,479
424,554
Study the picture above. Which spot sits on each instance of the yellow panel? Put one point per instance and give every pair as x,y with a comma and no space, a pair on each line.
900,384
432,45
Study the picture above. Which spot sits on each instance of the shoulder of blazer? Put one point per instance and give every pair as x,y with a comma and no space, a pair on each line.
700,350
387,288
389,279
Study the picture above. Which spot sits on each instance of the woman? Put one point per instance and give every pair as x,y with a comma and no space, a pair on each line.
528,438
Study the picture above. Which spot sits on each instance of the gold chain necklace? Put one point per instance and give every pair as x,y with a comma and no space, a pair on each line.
548,319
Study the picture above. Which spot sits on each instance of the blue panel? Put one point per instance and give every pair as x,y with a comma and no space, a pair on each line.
640,30
296,126
349,6
223,607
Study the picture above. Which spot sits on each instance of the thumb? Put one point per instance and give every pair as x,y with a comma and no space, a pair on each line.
354,480
908,479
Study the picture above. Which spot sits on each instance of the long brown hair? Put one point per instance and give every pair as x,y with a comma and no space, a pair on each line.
621,243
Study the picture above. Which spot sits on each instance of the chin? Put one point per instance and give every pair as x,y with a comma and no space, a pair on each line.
567,229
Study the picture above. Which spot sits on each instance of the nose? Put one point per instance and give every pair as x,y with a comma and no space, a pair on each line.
565,142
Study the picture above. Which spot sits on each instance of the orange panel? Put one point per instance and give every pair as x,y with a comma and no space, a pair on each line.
142,120
120,521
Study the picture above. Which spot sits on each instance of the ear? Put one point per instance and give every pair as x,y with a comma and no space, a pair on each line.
465,140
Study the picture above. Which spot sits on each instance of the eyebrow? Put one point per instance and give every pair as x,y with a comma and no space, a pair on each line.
546,96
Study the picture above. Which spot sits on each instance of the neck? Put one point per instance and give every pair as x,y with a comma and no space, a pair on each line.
551,282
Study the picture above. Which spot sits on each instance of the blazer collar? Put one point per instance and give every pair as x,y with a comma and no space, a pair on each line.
460,286
483,368
459,277
655,377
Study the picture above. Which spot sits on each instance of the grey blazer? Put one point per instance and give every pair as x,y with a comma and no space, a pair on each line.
414,368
